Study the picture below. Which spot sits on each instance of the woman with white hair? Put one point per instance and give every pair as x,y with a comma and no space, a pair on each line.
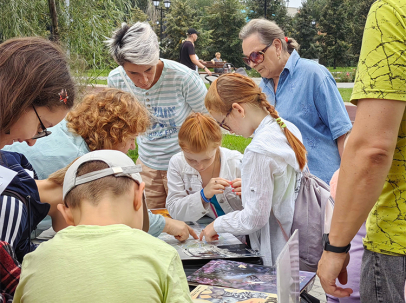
169,90
302,91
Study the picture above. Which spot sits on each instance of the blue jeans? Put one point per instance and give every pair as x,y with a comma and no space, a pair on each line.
382,278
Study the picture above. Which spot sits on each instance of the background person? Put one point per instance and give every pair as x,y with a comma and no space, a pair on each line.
302,91
270,168
104,255
372,178
188,55
217,58
203,179
169,91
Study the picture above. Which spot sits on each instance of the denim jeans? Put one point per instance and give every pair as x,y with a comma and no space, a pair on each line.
382,278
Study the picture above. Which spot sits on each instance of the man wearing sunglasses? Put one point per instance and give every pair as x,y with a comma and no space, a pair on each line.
169,91
302,91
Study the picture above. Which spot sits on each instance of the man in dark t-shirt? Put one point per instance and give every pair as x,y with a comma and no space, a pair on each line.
187,52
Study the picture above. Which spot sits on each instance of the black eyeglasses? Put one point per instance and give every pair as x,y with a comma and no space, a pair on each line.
44,131
256,57
222,124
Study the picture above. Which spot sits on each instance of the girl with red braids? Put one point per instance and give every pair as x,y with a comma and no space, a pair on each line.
270,169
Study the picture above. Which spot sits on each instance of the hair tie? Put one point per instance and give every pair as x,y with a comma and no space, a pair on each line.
63,96
287,39
280,122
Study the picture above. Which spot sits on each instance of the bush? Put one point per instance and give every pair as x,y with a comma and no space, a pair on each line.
348,76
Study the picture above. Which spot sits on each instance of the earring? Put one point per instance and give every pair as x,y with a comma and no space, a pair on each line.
279,57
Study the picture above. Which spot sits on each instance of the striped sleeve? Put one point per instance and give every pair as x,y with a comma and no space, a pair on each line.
194,91
13,218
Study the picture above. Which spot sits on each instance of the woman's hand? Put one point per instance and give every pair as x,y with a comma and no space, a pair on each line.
215,186
179,229
236,185
209,233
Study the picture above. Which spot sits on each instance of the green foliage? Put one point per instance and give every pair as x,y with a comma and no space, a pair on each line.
335,30
275,11
225,18
84,25
24,18
306,32
357,17
178,20
137,15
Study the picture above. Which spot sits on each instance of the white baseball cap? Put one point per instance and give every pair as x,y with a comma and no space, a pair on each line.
120,165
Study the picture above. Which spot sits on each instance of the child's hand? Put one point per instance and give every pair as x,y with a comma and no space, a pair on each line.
179,229
215,186
209,233
236,185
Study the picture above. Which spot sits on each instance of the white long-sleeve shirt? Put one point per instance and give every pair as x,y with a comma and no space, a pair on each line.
269,175
185,183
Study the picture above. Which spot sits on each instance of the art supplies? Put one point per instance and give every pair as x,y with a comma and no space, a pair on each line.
240,275
214,294
227,246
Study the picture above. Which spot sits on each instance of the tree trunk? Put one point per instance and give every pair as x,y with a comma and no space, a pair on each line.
54,19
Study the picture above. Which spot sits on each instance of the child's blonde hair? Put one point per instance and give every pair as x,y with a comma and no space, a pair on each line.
235,88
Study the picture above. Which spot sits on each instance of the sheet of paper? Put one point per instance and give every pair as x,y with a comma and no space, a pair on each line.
6,175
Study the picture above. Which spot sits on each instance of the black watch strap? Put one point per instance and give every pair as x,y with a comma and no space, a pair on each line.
328,247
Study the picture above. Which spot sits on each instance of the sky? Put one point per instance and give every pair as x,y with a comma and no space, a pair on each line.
295,3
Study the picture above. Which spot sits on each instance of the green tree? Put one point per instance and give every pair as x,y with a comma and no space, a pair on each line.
83,24
275,11
356,20
225,18
24,18
137,15
335,30
305,32
178,20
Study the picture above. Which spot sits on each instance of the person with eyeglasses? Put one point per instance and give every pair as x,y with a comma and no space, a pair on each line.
271,167
169,90
302,91
36,92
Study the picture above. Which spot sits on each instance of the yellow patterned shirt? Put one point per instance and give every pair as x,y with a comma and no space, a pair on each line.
382,75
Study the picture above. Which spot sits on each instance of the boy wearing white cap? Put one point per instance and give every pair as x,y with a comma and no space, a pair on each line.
104,256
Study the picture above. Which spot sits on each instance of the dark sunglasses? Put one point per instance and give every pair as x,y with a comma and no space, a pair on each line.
222,124
44,131
256,57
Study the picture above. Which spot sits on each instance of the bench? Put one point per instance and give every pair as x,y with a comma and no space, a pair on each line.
210,64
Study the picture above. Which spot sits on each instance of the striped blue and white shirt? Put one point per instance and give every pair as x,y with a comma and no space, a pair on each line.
178,92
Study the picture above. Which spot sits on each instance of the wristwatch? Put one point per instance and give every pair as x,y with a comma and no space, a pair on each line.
328,247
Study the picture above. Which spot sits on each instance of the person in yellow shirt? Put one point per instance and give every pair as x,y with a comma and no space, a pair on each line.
372,181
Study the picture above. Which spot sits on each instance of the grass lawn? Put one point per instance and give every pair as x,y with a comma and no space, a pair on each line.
341,69
345,93
97,81
229,141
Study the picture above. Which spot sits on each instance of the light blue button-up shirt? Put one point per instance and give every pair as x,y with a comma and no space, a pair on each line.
307,96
